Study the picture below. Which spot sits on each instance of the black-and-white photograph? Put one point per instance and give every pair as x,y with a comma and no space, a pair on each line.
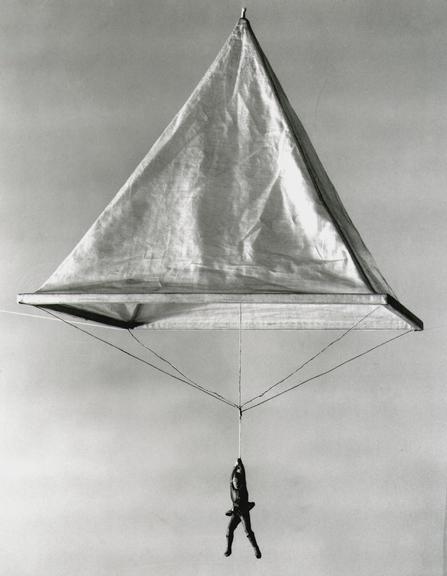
223,288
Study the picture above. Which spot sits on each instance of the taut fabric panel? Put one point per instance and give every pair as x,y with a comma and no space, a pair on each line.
224,201
230,200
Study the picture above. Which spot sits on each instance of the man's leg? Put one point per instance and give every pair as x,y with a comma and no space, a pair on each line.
250,534
232,525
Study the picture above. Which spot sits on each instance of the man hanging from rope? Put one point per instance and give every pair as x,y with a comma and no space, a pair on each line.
241,508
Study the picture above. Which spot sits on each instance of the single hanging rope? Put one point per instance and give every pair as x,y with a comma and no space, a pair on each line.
240,378
240,353
240,431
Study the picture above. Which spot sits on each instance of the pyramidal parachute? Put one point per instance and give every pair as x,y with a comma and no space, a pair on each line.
229,221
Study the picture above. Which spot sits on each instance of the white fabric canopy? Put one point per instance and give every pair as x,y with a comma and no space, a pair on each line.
230,216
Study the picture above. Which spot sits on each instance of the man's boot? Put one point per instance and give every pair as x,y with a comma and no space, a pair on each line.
252,540
229,543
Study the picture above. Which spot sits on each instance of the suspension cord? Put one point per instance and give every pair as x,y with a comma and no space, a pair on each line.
200,388
240,353
41,317
171,364
240,378
301,366
240,431
327,371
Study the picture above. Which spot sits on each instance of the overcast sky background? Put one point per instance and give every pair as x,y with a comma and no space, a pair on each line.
108,468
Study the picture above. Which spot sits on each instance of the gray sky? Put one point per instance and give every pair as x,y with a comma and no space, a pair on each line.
109,468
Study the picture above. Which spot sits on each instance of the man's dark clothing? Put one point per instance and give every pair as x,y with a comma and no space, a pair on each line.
239,495
241,508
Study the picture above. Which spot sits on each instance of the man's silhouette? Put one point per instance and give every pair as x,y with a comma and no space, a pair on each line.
241,508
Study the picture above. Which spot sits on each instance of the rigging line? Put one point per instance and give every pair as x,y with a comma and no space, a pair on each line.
240,353
327,371
240,377
205,391
57,319
240,431
312,358
172,365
